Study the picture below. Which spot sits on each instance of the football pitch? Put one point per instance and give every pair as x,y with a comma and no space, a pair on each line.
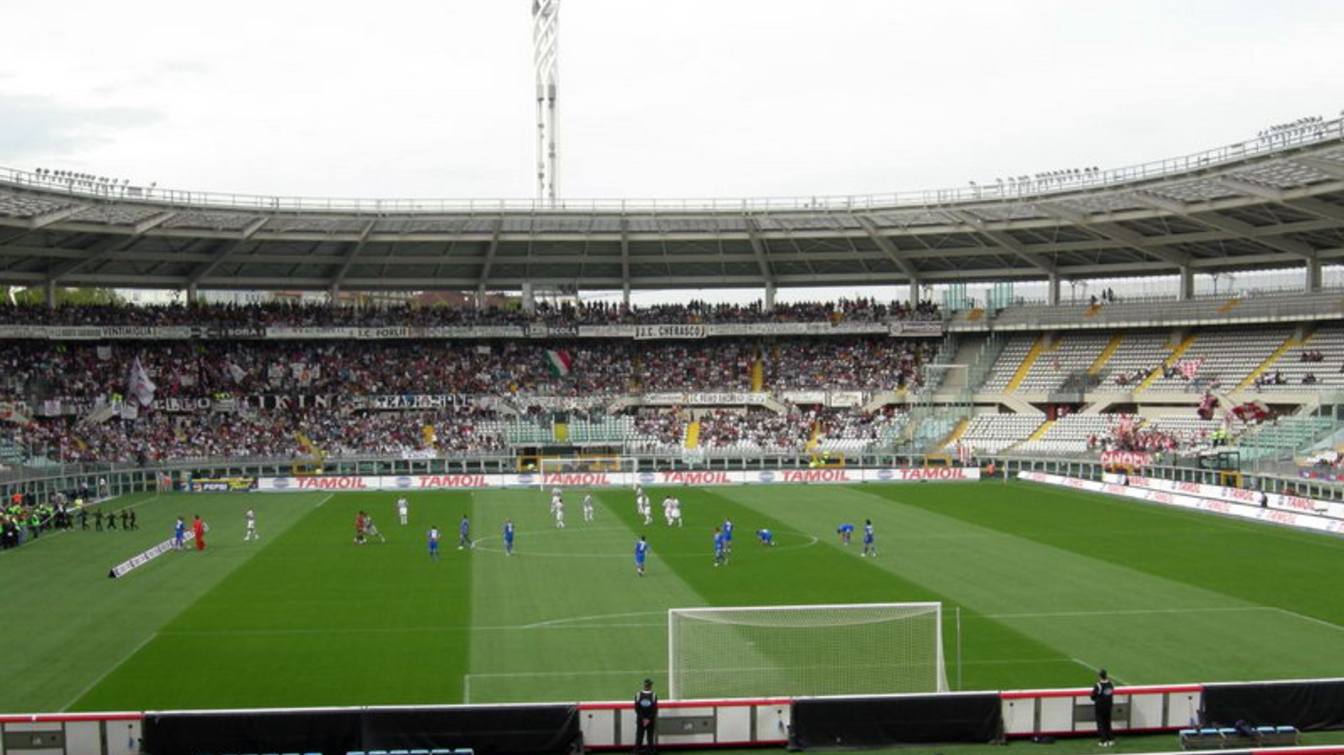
1050,584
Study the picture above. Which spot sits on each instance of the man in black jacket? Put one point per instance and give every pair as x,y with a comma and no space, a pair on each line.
1103,694
646,719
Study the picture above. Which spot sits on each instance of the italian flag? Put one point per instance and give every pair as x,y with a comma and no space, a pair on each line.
559,362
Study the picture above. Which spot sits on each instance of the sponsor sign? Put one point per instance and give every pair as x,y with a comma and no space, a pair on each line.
222,484
144,557
445,481
1241,510
694,478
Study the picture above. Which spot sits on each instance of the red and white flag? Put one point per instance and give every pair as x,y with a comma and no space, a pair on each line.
139,386
1190,367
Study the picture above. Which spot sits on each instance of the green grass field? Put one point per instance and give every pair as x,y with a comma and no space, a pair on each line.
1050,583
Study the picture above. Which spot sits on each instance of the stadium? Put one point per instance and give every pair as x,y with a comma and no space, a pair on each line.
1093,421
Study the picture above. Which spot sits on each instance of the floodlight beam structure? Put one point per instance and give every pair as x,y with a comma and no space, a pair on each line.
546,68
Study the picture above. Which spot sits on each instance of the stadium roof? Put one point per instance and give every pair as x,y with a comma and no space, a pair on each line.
1273,202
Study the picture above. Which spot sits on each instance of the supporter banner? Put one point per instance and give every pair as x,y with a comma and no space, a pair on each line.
234,332
694,478
846,398
671,331
410,402
665,332
222,484
140,559
915,328
1304,521
1126,458
826,398
704,399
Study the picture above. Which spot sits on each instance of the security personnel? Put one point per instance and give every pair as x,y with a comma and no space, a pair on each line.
646,719
1103,694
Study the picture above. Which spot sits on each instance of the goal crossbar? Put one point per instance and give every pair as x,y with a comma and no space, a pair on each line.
822,649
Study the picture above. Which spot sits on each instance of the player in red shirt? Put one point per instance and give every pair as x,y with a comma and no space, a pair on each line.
359,528
198,527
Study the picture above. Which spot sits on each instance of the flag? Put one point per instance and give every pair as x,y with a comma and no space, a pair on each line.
559,362
1190,367
139,385
236,372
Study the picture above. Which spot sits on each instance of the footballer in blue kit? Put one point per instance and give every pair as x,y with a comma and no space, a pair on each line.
508,537
641,553
433,536
719,546
766,537
728,535
845,531
869,546
464,533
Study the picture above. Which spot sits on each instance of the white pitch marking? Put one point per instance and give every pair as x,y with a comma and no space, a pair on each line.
120,662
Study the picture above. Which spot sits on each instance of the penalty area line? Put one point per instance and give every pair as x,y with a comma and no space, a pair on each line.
120,662
1096,670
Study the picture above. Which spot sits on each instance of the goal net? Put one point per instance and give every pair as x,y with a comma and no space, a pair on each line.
565,473
858,649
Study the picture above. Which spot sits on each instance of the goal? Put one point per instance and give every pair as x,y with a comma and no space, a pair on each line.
586,472
765,651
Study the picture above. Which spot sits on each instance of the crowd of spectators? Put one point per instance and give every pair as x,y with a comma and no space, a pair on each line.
38,371
164,437
592,313
752,429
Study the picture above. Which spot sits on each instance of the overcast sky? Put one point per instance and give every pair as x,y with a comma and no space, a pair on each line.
680,98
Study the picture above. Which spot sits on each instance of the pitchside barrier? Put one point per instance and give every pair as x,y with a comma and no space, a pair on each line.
1288,511
868,720
705,478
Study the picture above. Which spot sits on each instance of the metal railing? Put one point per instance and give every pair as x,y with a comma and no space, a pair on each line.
1029,188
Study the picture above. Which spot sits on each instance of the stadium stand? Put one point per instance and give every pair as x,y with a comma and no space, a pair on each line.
993,433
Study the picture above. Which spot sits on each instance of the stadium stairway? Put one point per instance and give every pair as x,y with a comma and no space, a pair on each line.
692,441
560,432
1040,432
1112,346
1291,342
758,375
1171,359
814,438
1042,345
955,435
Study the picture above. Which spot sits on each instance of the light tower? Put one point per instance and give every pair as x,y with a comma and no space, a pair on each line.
546,64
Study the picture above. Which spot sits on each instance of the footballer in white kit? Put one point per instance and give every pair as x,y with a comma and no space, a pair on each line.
403,510
251,533
588,508
559,508
667,509
675,517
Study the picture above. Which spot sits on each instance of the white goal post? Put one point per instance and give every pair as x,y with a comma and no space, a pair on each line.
769,651
565,472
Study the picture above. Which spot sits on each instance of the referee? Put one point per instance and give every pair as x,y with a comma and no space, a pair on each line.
646,719
1103,694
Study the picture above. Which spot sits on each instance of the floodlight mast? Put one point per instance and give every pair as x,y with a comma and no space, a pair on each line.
546,64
